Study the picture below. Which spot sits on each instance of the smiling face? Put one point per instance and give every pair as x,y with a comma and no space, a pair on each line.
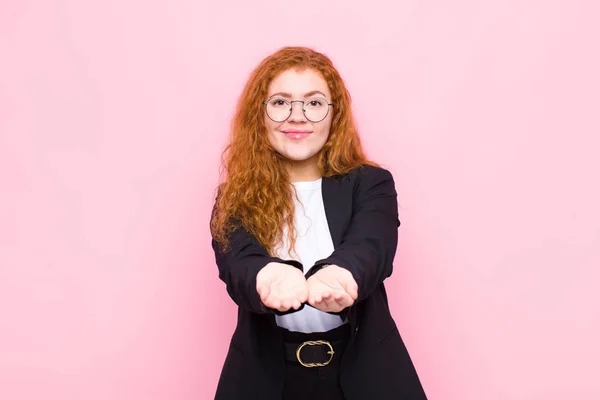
298,139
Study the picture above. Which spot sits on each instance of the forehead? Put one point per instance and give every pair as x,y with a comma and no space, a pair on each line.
299,82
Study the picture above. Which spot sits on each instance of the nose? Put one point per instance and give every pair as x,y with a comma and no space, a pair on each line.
297,114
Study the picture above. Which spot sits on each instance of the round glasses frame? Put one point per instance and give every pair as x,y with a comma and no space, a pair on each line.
265,103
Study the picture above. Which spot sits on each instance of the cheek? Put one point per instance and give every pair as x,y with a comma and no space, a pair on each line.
324,131
271,131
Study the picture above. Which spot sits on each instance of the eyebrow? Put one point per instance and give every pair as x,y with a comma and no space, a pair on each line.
289,96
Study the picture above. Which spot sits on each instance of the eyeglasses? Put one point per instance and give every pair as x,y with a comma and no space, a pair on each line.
315,109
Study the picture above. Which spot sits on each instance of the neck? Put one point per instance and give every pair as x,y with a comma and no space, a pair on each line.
303,171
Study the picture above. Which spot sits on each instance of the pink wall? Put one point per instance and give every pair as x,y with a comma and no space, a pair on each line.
112,117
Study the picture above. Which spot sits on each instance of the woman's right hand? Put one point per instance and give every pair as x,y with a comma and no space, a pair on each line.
281,286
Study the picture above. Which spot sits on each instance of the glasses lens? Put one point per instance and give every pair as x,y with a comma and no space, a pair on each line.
316,109
278,109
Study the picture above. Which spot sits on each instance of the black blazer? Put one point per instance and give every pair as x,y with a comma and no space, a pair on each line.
362,214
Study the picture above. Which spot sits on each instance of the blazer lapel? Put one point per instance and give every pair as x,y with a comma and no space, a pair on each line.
337,199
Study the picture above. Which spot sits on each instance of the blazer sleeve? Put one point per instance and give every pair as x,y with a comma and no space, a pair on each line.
239,266
369,244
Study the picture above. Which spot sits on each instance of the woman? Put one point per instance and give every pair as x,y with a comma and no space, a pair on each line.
305,230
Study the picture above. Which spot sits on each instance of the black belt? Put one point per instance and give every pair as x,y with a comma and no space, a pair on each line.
314,353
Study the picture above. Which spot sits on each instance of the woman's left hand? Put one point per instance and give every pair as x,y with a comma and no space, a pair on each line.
332,289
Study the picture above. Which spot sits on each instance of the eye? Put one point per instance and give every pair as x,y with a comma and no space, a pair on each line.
316,103
277,102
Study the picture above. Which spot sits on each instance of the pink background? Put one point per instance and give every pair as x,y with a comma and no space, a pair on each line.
112,118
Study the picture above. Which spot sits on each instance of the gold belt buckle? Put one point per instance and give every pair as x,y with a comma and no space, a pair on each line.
315,343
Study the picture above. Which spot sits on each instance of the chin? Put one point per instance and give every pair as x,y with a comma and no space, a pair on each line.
299,157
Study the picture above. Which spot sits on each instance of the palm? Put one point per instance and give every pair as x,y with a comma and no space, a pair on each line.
281,287
284,285
332,289
328,284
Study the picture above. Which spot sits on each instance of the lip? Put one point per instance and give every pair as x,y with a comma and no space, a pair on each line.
296,133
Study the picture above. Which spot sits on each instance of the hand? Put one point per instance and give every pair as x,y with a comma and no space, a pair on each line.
281,286
332,289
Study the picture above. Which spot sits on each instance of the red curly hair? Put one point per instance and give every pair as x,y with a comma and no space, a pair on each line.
256,193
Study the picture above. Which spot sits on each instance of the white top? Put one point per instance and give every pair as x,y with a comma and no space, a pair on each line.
313,243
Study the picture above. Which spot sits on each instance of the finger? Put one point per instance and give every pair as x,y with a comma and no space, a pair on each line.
352,289
325,295
345,301
321,306
303,296
314,294
264,291
332,306
325,305
275,303
339,296
337,305
314,299
263,296
296,305
288,303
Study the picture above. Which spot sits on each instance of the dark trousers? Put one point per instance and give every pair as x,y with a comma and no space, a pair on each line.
317,383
